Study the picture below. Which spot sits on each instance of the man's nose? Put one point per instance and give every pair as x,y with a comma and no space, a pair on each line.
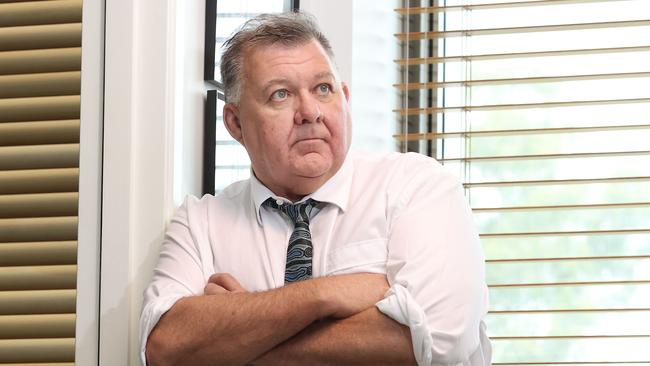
308,110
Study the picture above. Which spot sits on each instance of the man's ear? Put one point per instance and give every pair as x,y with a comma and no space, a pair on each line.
232,122
346,90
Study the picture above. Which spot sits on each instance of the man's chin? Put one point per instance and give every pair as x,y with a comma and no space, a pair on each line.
312,173
313,170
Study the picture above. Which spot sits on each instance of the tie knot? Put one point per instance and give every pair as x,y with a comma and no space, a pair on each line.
297,212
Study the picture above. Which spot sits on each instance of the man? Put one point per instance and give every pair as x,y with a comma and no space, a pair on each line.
321,257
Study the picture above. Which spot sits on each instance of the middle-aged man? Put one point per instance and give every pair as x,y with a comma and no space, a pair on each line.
322,257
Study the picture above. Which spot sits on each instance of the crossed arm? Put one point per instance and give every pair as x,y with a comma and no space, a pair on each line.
323,321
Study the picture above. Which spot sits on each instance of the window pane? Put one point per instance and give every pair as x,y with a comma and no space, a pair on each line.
224,177
572,116
586,142
566,246
231,155
570,297
572,323
574,220
526,67
575,350
545,41
593,270
572,194
573,168
546,15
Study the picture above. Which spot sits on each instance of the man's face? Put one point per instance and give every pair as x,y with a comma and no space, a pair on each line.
293,117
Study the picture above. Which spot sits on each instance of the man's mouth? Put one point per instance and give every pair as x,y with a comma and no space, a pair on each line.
309,140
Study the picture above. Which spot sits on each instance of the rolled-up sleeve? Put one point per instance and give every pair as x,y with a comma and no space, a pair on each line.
178,273
436,272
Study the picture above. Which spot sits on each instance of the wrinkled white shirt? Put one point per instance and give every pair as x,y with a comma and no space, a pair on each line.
401,215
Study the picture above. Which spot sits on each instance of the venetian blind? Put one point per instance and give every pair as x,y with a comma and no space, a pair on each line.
542,108
40,62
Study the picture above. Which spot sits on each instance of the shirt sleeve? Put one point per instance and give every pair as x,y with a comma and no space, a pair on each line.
435,268
178,273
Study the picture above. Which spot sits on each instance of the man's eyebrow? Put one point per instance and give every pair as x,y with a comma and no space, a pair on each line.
285,81
270,83
324,75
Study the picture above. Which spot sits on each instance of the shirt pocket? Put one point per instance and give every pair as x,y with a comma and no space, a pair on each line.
362,256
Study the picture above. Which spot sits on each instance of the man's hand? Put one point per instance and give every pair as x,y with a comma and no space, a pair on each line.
351,294
220,283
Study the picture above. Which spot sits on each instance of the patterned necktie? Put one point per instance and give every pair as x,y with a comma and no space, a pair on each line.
300,249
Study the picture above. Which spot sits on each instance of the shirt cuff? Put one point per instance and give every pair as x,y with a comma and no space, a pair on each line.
151,314
399,305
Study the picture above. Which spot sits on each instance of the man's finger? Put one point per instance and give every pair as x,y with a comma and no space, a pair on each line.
227,281
213,289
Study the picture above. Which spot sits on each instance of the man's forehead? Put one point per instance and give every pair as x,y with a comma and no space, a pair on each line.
282,61
256,48
324,75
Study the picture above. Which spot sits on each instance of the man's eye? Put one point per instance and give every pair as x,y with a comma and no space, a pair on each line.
324,89
279,95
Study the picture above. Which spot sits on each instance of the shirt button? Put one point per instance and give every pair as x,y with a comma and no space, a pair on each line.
279,202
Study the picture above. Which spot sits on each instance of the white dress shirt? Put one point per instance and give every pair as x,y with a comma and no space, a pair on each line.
402,215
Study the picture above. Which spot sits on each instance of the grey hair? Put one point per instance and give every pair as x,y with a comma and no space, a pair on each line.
286,29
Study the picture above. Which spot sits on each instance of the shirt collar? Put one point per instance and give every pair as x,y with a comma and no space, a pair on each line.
335,191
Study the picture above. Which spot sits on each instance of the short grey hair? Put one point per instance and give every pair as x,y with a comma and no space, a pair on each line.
286,29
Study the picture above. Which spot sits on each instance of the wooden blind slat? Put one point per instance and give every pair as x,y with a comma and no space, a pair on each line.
31,181
37,326
560,207
39,156
29,109
38,253
547,156
515,132
40,36
40,12
601,363
515,55
37,350
484,6
37,302
588,336
564,233
39,205
38,229
20,1
38,277
586,258
40,364
417,36
495,107
544,182
33,61
550,311
39,132
557,284
41,84
526,80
